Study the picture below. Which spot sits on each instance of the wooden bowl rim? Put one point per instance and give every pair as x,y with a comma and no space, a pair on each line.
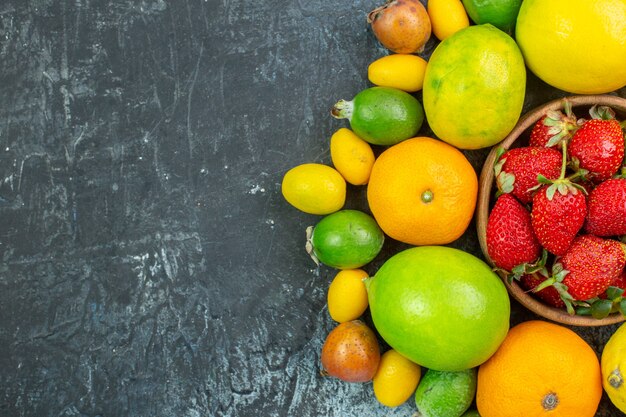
484,196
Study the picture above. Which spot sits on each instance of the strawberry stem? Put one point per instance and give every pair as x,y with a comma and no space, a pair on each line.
564,159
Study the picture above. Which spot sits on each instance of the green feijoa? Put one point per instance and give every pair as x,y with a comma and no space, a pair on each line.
445,393
500,13
382,115
345,239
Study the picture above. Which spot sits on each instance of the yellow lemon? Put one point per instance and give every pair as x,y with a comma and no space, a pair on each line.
402,71
352,156
613,365
577,46
447,17
314,188
347,295
396,379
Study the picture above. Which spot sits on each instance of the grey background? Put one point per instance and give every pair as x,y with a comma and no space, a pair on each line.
150,266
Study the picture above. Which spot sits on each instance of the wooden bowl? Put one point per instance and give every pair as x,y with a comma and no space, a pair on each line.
519,136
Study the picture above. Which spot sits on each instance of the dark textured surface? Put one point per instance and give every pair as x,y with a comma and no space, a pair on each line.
150,266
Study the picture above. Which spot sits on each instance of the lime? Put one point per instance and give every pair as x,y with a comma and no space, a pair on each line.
442,393
440,307
346,239
382,115
314,188
500,13
474,87
471,413
578,46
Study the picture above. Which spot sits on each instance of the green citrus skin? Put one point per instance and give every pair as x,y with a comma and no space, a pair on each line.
346,239
442,393
382,115
441,307
474,87
500,13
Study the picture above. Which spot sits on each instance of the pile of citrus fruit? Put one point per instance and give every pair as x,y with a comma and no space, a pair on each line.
433,321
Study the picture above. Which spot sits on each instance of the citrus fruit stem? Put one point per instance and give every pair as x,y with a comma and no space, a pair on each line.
615,379
427,196
371,16
309,245
342,109
550,401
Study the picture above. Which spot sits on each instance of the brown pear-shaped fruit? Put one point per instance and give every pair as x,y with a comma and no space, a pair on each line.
351,352
402,26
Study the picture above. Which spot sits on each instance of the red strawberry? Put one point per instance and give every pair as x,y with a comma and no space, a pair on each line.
593,264
548,295
554,127
510,237
558,213
619,282
517,169
598,145
607,208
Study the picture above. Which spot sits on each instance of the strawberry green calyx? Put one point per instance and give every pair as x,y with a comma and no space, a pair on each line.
601,112
563,184
600,308
556,281
504,180
538,267
560,126
342,109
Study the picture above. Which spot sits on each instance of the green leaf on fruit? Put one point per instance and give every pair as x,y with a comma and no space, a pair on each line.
612,293
601,308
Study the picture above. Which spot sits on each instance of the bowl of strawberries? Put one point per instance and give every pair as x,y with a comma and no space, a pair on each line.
551,210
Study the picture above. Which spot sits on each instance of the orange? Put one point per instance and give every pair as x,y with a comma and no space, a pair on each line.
541,369
422,191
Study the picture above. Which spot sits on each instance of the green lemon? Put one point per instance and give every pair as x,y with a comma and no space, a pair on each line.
474,87
382,115
445,394
442,308
346,239
500,13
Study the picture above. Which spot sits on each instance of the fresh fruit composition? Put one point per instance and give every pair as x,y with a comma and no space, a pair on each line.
553,220
541,369
447,17
444,393
578,46
346,239
558,231
314,188
474,103
402,71
402,26
381,115
440,307
352,157
396,379
351,352
423,192
347,295
500,13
